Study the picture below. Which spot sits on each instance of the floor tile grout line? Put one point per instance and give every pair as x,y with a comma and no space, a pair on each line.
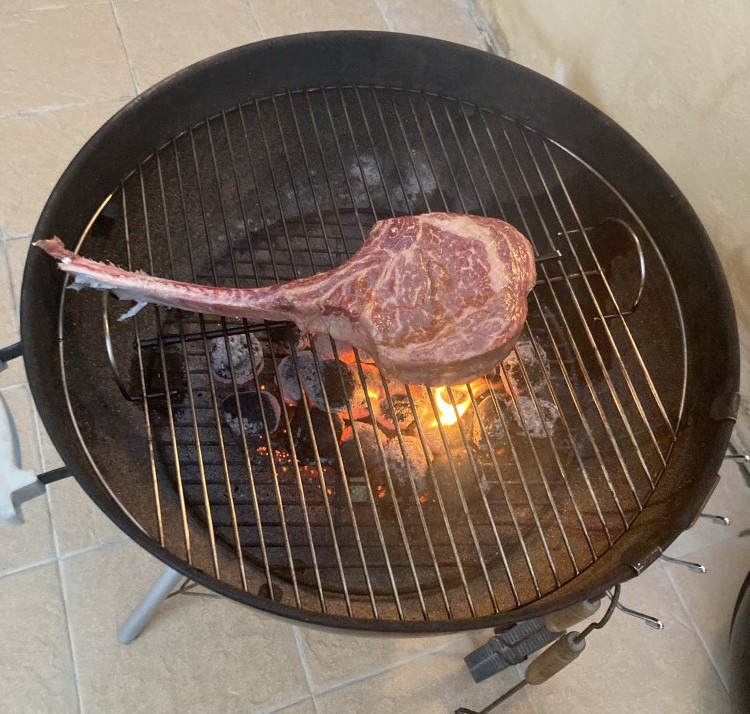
68,627
384,15
12,387
250,7
698,553
383,670
280,709
6,260
31,10
133,75
39,111
42,459
303,659
315,704
101,545
28,567
93,546
492,43
697,630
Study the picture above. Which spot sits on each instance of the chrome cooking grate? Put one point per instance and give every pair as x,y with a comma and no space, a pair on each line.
390,502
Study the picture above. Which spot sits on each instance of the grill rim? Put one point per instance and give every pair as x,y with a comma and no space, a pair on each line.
39,307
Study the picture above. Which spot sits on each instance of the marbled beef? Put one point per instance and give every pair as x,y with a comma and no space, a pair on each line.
437,299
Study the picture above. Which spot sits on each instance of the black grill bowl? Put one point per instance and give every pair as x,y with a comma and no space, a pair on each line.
117,200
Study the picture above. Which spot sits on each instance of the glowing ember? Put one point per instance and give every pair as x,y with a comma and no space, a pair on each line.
448,414
380,491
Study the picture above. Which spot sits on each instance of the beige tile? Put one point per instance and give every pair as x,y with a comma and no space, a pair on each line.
732,499
287,17
629,667
35,662
12,6
15,374
77,521
30,543
198,653
18,249
163,36
50,458
710,598
443,19
334,658
306,706
35,150
438,682
9,308
18,400
732,496
69,55
9,332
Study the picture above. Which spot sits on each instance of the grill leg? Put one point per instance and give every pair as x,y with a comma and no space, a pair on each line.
144,611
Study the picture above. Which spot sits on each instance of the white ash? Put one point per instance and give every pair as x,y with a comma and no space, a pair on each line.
535,419
484,484
490,422
252,420
330,381
244,367
536,366
452,434
291,390
409,463
337,381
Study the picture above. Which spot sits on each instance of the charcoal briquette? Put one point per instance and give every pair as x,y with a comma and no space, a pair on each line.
321,436
251,418
333,376
291,391
368,442
236,349
407,461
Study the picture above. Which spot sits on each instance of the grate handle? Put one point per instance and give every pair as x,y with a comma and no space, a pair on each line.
8,353
554,658
16,485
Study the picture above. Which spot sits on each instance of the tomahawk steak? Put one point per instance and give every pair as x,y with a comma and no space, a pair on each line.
438,298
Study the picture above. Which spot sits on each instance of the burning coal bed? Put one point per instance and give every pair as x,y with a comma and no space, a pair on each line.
339,410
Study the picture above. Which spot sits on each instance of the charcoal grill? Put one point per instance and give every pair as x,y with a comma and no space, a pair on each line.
565,471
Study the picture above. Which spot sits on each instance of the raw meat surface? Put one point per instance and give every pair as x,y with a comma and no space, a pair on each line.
438,298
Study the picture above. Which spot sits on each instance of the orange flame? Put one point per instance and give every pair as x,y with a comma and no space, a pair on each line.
448,415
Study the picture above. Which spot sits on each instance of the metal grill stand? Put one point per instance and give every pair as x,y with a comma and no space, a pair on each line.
146,608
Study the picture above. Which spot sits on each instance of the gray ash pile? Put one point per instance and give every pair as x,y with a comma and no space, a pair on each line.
240,356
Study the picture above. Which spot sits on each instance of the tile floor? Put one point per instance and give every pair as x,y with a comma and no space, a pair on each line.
68,577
